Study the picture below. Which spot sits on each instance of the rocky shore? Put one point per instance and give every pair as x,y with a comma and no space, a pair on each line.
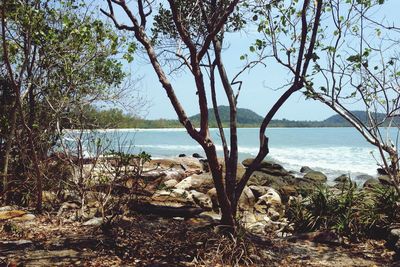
181,188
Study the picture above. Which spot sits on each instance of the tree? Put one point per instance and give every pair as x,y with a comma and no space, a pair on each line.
195,31
57,59
355,63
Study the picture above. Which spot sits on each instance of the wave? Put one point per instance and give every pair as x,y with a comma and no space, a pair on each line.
332,160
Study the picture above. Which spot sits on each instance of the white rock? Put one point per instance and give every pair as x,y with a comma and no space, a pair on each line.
170,183
194,181
248,218
172,197
93,222
257,228
201,199
246,200
271,199
211,215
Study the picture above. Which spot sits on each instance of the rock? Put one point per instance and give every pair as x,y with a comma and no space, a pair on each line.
248,218
177,174
16,215
287,191
24,218
342,179
69,196
385,180
257,228
370,183
268,167
212,193
170,183
381,171
197,155
173,198
8,208
94,222
196,182
202,200
270,201
305,169
393,241
67,206
263,179
258,190
166,164
182,155
211,215
49,198
204,163
364,177
246,200
316,176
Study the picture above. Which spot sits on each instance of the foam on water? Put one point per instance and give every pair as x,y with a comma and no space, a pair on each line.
333,151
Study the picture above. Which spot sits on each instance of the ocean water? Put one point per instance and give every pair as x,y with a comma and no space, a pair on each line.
334,151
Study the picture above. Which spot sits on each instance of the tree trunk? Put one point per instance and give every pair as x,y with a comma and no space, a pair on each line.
9,138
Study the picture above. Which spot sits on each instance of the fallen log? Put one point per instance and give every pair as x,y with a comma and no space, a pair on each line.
166,211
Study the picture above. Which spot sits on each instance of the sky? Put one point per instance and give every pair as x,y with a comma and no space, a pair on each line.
260,85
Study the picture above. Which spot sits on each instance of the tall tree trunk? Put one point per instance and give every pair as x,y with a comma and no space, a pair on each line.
7,152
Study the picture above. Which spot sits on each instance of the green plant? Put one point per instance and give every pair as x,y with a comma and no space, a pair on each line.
351,212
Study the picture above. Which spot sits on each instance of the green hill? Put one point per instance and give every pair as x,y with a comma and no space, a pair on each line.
361,115
244,116
114,118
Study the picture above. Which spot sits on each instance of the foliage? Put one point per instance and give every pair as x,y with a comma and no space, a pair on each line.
66,59
350,212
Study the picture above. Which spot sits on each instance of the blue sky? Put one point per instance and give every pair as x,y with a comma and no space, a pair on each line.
259,90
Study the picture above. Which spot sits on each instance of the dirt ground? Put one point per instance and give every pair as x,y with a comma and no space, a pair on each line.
139,240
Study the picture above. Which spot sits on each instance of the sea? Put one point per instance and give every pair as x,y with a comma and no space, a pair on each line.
334,151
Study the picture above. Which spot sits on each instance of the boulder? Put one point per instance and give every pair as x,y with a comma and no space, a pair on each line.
182,155
212,193
246,200
248,218
259,190
342,179
385,180
364,177
257,228
268,167
16,215
198,182
202,200
173,198
316,176
188,162
393,241
94,222
49,198
305,169
170,183
370,183
210,215
264,179
270,201
177,174
197,155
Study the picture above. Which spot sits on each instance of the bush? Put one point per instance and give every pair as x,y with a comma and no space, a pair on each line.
349,211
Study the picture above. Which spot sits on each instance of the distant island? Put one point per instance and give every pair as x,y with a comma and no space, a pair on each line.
115,118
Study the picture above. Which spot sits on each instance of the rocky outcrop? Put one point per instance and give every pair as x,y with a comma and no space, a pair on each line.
16,216
393,242
316,176
342,179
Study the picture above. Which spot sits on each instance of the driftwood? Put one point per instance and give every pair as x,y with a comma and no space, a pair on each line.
166,211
